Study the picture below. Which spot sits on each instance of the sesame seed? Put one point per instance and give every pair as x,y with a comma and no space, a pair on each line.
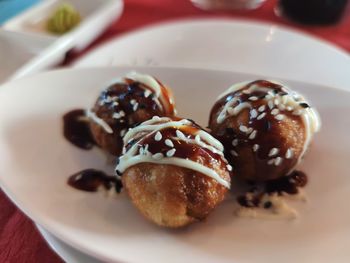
136,105
255,147
246,91
243,128
278,161
122,132
275,111
253,98
253,135
269,96
169,143
289,154
180,134
233,153
262,115
270,104
262,108
289,108
229,167
115,103
132,102
235,142
108,99
296,96
279,117
118,115
156,118
147,93
158,136
270,162
121,121
253,114
273,152
157,156
171,152
284,99
297,112
271,93
276,101
197,138
231,111
281,107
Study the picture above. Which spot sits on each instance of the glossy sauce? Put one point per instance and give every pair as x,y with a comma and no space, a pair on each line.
120,105
264,129
173,141
76,129
91,180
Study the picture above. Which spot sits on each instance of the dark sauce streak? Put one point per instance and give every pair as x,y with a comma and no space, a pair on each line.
288,184
76,129
90,180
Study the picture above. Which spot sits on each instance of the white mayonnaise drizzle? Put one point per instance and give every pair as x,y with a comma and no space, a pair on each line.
147,80
92,116
138,153
152,83
309,116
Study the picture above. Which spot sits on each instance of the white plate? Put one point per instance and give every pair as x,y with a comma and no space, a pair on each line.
36,162
237,45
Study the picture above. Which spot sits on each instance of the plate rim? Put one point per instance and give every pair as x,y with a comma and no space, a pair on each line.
223,21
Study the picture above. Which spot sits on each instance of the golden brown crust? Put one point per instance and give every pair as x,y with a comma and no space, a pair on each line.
173,196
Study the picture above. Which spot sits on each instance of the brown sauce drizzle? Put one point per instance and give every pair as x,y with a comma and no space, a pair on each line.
76,129
127,99
90,180
184,150
287,184
266,126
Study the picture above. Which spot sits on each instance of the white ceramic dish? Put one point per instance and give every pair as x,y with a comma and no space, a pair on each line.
96,15
18,49
226,44
36,162
30,26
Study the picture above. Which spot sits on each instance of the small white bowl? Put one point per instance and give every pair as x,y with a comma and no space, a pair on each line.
27,32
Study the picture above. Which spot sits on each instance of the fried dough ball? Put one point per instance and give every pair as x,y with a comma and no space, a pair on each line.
175,172
126,103
265,128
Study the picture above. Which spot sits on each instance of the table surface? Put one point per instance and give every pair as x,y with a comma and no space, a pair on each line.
19,239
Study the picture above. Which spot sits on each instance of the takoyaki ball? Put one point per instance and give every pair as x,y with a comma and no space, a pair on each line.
174,172
265,128
125,103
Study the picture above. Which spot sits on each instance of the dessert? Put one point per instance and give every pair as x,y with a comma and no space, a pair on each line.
265,128
174,172
125,103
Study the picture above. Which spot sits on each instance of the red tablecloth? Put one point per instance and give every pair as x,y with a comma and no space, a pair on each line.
19,239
